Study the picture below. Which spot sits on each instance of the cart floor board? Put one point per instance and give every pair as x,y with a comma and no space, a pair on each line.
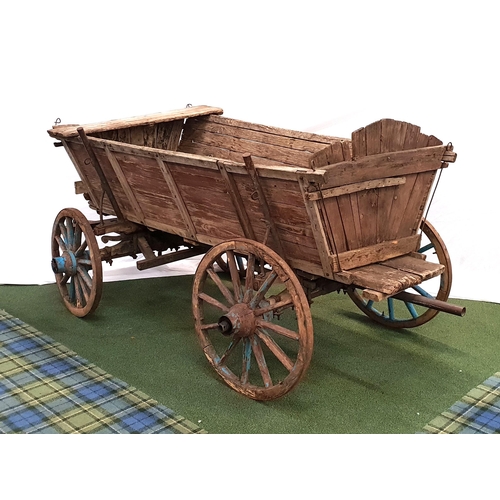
394,275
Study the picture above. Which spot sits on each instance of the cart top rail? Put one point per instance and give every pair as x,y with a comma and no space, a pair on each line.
67,131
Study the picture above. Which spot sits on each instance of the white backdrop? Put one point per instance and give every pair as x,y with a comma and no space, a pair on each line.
326,67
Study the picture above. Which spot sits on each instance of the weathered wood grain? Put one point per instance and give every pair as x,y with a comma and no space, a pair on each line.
65,131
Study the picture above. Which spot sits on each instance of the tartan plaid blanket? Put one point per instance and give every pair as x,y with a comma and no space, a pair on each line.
47,388
478,412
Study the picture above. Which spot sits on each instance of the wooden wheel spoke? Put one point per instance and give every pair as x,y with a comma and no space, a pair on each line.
85,276
81,248
271,278
214,302
71,290
288,301
235,275
64,234
65,278
247,360
280,330
230,348
61,243
422,292
261,361
84,262
70,232
223,288
77,237
78,292
275,349
210,326
249,279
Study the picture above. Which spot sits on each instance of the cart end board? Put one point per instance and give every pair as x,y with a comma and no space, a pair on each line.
371,206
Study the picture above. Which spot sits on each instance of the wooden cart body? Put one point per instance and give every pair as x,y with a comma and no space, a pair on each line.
347,210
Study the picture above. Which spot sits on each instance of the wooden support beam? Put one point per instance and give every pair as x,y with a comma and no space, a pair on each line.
263,203
328,262
354,188
177,196
170,257
239,206
95,163
129,193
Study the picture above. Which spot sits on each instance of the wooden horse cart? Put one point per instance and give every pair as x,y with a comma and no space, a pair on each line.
281,217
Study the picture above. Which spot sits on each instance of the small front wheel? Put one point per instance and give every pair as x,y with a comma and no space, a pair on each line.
76,262
256,329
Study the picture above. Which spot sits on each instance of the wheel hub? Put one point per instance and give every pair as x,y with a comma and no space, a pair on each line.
66,263
240,320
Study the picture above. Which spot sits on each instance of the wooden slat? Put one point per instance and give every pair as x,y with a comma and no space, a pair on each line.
395,164
294,134
383,279
169,179
243,147
317,225
333,153
377,253
63,131
239,206
274,172
125,185
354,188
264,204
422,268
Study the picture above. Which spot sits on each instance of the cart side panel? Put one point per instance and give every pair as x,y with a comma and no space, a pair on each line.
290,216
157,135
89,176
232,139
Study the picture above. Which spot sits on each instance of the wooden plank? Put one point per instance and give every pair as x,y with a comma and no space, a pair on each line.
245,147
329,155
264,204
125,185
368,201
197,127
69,148
239,206
416,202
422,268
307,136
383,278
274,172
383,165
377,253
354,188
168,135
317,226
393,134
63,131
181,206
